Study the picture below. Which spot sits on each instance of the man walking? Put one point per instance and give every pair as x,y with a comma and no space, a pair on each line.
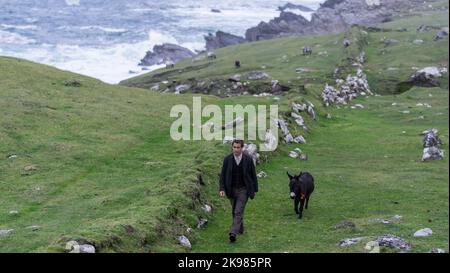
238,182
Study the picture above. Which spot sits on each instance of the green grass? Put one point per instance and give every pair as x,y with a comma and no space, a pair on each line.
105,160
365,168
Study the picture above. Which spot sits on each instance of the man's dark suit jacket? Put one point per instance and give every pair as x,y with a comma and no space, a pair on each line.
250,179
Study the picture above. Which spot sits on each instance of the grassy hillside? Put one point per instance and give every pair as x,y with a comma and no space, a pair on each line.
105,170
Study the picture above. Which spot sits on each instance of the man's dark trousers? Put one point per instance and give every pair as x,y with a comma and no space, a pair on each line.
238,202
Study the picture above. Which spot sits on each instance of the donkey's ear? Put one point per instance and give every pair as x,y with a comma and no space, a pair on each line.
300,174
290,176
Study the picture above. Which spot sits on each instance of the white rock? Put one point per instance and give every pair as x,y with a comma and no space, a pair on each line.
300,140
13,212
437,250
87,249
207,208
202,223
423,232
261,174
350,241
184,241
5,232
293,154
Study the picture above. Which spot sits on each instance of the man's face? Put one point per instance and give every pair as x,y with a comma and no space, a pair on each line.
237,149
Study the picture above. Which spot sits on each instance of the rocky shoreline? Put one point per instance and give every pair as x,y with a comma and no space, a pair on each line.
333,16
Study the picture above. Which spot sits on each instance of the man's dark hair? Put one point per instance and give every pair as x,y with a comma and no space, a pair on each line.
238,141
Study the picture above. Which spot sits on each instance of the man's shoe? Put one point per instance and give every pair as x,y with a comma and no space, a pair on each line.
232,238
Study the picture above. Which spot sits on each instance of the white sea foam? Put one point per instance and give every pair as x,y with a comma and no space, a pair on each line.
7,37
111,64
22,27
105,29
73,2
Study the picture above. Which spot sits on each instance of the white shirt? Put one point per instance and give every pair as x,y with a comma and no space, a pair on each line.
237,158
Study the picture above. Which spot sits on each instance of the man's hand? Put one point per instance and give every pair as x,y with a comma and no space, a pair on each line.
221,193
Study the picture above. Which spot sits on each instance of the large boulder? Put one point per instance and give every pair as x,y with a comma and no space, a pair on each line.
431,138
222,39
291,6
395,242
428,76
432,153
441,34
165,54
257,75
333,16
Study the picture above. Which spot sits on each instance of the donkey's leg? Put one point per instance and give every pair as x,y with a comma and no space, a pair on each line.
296,201
307,202
302,202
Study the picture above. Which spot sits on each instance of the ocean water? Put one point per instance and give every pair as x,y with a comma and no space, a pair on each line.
106,39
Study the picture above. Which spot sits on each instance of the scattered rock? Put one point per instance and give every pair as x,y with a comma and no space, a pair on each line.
297,153
207,208
360,106
30,168
202,223
184,241
257,75
393,242
437,250
427,77
328,116
345,224
299,140
386,220
346,90
405,112
432,153
431,138
441,34
155,87
11,156
302,70
5,232
182,88
299,107
261,174
310,111
389,42
33,228
13,212
425,232
418,42
75,247
235,78
350,241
